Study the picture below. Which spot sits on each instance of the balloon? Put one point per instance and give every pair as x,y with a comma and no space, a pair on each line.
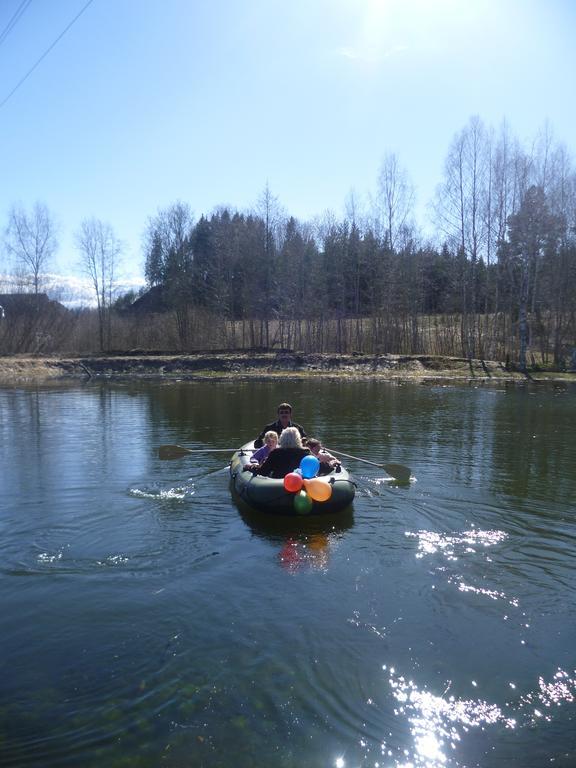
293,482
317,489
309,466
302,503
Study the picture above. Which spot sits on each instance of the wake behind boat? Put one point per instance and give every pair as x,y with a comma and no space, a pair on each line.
268,494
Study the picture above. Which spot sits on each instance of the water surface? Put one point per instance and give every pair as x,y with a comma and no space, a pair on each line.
147,620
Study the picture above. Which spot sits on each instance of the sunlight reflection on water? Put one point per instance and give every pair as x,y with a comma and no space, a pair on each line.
439,724
453,546
46,558
560,691
493,594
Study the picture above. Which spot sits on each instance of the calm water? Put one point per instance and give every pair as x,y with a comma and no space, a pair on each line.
147,621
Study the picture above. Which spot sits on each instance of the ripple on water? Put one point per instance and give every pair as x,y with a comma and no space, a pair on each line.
55,559
117,694
156,491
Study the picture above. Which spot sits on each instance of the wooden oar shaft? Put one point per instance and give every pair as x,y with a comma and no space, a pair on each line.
356,458
178,451
203,450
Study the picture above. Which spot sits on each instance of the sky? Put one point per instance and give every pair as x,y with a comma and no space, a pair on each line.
141,103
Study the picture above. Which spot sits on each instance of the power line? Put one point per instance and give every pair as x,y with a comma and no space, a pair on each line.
14,20
46,52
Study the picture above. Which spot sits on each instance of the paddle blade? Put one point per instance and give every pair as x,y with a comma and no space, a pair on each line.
399,472
167,452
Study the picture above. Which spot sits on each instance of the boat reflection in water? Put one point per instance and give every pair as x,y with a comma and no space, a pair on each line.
303,542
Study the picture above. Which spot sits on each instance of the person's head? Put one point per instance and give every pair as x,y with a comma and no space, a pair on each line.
314,445
284,413
271,439
290,438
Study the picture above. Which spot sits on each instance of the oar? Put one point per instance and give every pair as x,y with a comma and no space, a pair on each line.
399,472
178,451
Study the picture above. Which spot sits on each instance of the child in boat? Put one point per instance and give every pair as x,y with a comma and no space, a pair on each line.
270,443
327,461
286,458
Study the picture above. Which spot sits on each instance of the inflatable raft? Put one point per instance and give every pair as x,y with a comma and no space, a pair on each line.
267,494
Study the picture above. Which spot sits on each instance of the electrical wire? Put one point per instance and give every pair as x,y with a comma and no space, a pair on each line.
14,20
46,52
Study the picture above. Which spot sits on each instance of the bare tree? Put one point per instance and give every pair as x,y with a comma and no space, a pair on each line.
273,217
30,238
394,201
542,157
533,233
99,250
169,261
461,213
166,242
560,184
506,182
508,166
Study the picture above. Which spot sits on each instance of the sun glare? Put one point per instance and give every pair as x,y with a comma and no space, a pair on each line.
392,26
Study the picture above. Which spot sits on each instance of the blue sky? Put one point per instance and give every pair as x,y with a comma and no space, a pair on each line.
145,102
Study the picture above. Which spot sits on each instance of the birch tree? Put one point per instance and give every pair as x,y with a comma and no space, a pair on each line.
99,250
394,201
534,232
30,239
273,217
166,241
461,214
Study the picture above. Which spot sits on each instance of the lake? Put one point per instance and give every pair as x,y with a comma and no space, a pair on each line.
147,620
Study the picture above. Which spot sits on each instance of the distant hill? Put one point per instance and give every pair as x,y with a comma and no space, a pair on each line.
151,302
72,291
17,305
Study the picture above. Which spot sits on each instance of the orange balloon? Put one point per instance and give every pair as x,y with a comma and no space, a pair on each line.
293,482
318,489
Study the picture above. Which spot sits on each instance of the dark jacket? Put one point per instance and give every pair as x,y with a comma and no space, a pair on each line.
280,461
277,427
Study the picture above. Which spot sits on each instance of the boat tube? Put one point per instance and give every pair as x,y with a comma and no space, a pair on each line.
267,494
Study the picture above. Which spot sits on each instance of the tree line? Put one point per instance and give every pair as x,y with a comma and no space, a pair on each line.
498,280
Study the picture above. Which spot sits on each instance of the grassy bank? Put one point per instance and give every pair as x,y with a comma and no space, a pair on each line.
417,368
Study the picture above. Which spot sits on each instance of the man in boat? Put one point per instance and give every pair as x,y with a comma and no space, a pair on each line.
284,420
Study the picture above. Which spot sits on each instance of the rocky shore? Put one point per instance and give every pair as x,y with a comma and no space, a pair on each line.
224,365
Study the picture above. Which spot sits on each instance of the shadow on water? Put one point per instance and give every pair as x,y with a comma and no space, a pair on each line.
278,527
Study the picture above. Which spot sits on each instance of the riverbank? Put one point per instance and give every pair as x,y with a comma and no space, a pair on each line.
415,368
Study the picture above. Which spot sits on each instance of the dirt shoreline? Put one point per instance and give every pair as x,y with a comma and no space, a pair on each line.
265,365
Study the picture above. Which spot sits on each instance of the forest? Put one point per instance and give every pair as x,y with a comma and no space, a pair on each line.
497,281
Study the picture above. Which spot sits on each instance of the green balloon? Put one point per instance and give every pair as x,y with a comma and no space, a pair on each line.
302,503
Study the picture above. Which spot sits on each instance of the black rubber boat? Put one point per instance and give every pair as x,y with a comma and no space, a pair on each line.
267,494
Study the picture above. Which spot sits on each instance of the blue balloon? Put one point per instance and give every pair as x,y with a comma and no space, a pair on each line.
309,466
